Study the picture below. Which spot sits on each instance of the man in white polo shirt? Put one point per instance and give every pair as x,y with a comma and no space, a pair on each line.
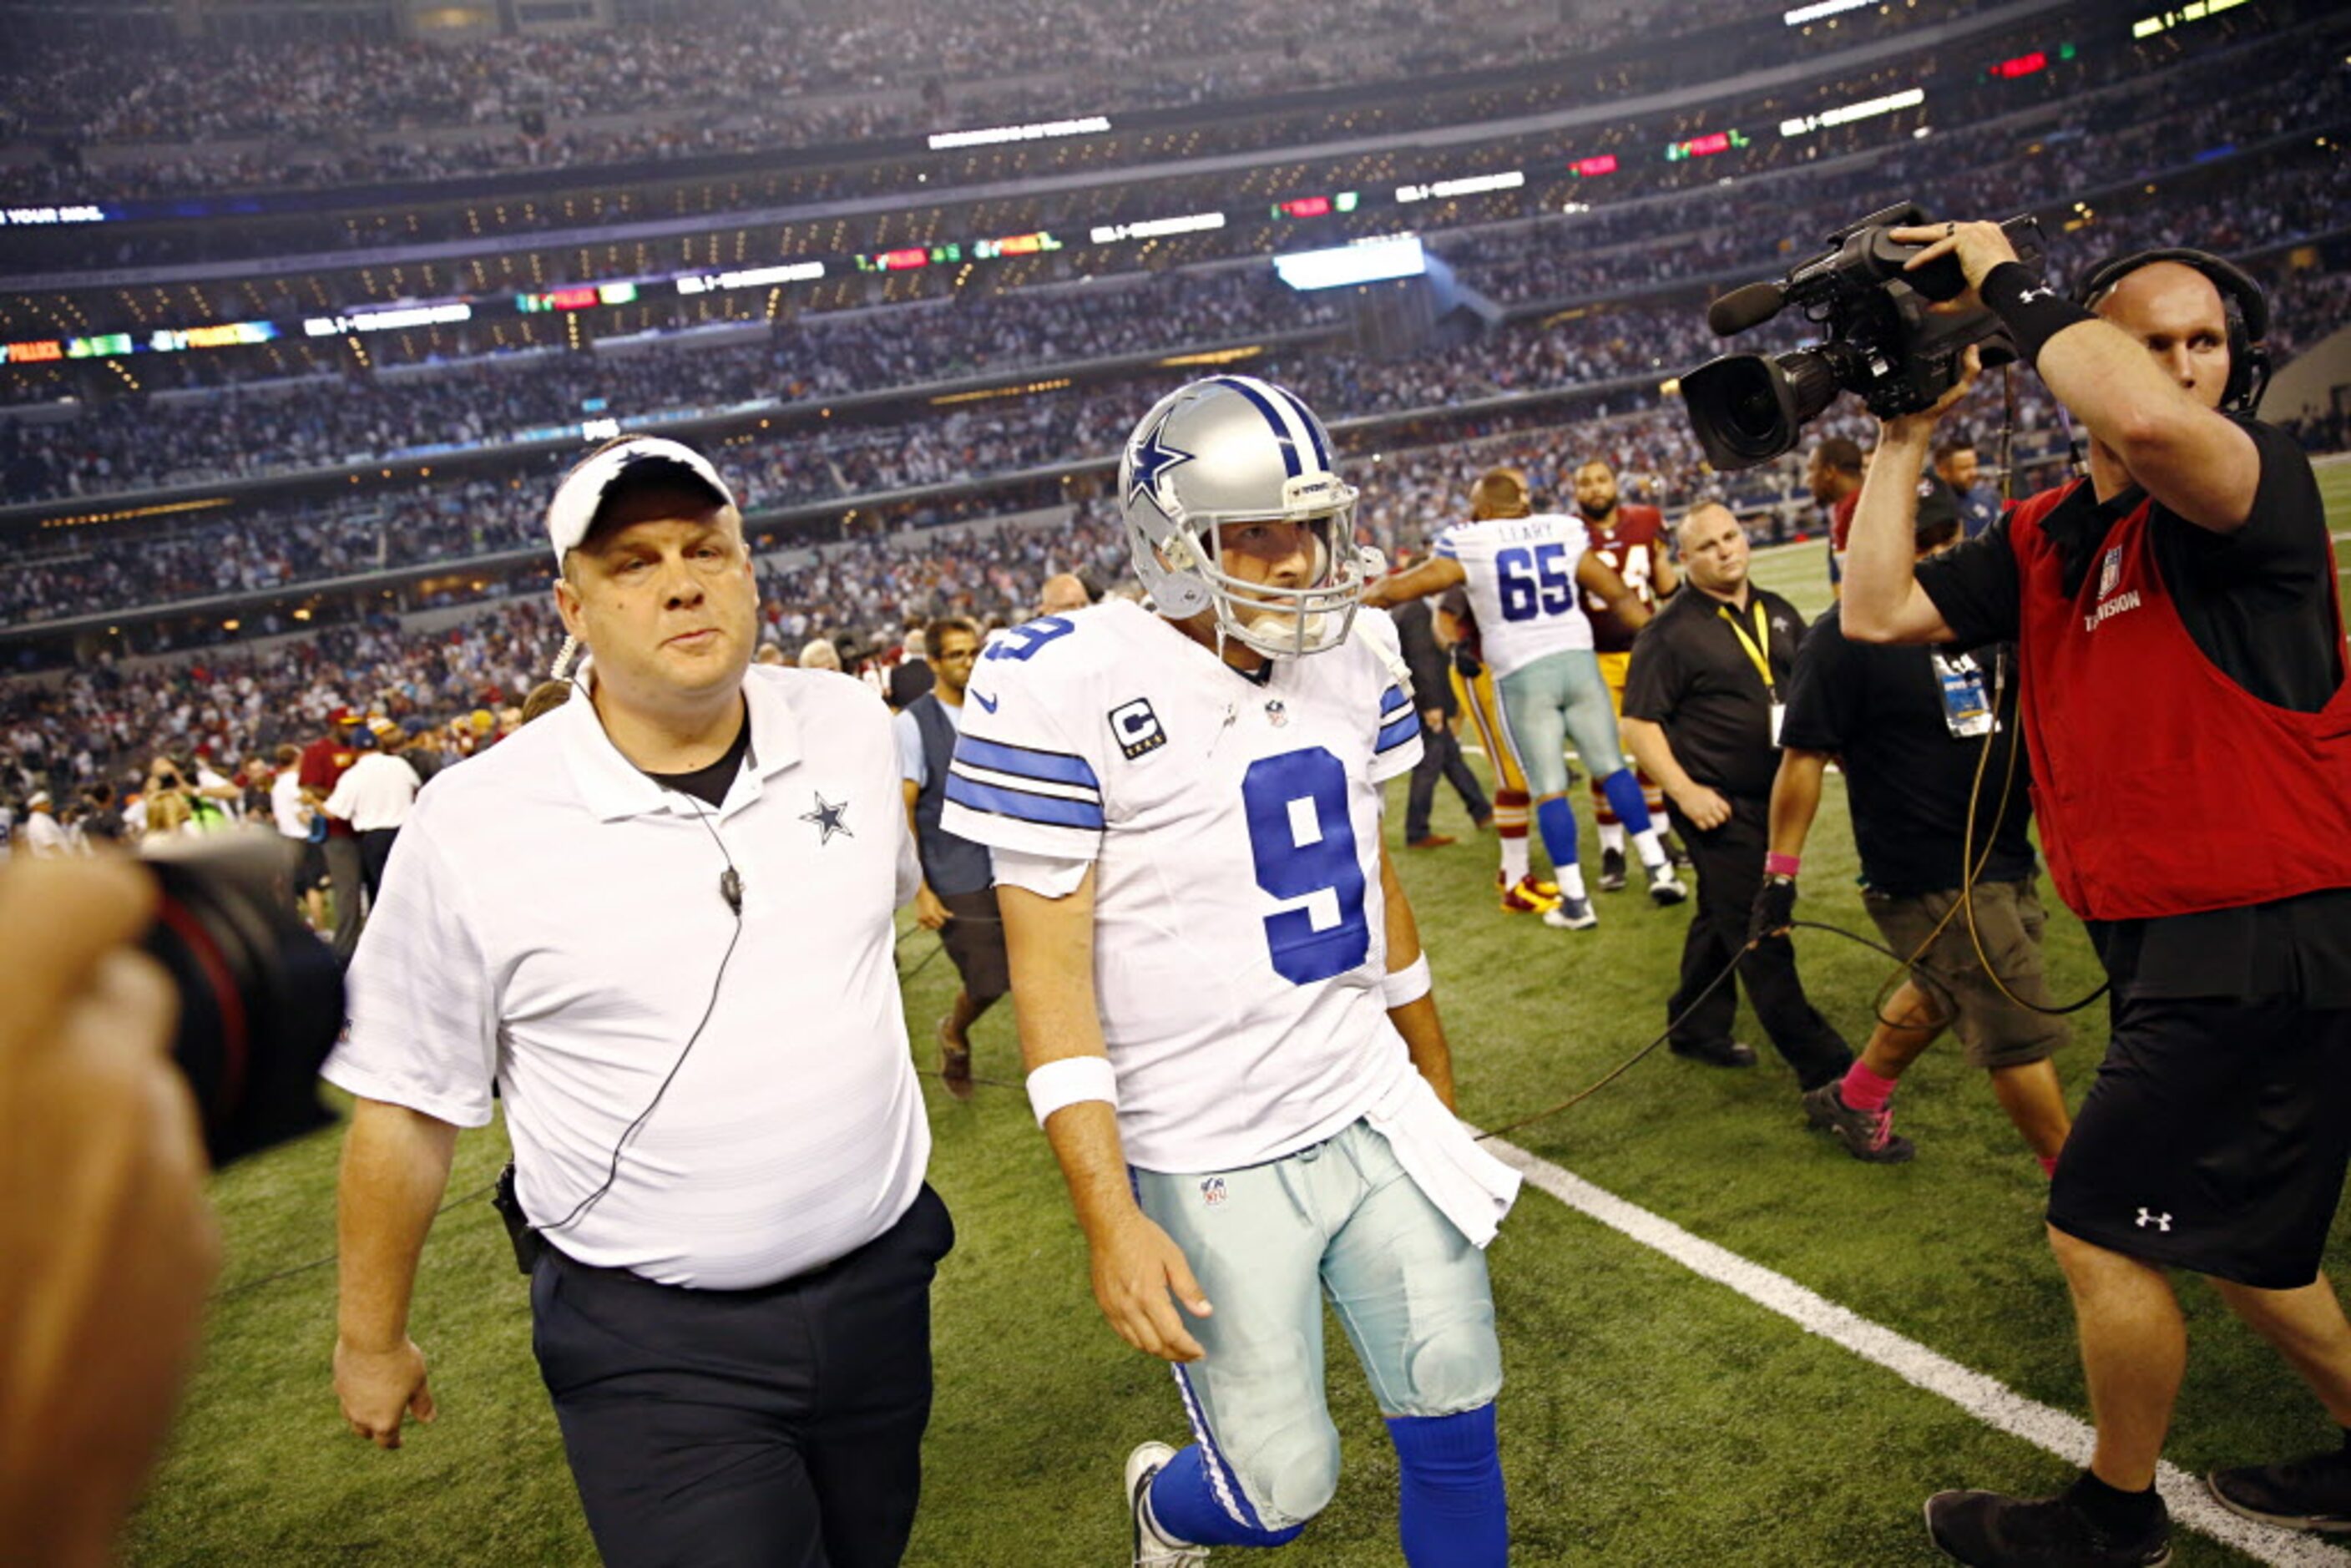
660,920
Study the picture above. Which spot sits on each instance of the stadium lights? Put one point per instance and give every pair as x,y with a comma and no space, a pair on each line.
755,277
387,320
1475,185
1365,261
1806,124
1093,125
1158,228
2164,21
1803,14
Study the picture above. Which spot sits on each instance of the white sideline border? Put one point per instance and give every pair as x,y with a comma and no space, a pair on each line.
1986,1398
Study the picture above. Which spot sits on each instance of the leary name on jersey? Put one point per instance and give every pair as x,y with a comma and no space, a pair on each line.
1625,546
1521,585
1240,936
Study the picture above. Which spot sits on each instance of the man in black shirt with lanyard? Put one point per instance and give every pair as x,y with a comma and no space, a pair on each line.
1702,709
2184,693
1911,726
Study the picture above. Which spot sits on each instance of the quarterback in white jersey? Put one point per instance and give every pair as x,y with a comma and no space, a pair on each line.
1526,574
1225,1014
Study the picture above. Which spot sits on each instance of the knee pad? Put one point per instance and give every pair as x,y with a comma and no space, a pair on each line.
1292,1478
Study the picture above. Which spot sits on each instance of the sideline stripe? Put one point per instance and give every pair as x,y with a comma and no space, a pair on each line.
1986,1398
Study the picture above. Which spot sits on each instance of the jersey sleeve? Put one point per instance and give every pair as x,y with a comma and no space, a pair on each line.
1397,745
1018,780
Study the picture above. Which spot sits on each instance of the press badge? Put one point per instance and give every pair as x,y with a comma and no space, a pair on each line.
1967,712
1779,714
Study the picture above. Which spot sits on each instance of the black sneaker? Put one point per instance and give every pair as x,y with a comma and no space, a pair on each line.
1866,1135
1990,1530
1611,871
2312,1492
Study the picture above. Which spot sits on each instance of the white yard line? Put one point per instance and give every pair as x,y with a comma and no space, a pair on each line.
1987,1399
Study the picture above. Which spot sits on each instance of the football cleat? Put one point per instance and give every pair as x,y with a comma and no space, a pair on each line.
1611,871
1665,887
1151,1549
1527,897
1570,915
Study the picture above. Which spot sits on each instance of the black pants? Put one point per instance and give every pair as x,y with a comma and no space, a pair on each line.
1440,753
1730,865
778,1427
346,874
375,851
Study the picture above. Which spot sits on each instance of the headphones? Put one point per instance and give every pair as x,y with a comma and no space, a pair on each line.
2242,304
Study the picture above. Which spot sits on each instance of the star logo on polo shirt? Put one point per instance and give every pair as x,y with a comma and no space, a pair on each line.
828,818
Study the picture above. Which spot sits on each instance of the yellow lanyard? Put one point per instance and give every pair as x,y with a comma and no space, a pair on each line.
1759,647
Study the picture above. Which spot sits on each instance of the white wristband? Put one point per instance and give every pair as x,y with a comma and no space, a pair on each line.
1406,986
1071,1081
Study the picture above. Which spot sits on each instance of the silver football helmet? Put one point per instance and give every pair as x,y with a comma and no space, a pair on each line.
1233,449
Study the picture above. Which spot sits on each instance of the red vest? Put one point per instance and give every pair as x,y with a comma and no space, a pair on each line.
2163,787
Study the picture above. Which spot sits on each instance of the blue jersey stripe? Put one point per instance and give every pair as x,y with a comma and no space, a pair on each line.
1280,431
1052,811
1027,762
1391,737
1392,699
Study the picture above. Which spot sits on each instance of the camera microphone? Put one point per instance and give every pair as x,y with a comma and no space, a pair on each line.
730,888
1750,304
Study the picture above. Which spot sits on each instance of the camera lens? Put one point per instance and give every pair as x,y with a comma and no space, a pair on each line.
261,998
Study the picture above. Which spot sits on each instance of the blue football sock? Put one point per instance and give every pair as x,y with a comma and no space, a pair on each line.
1454,1514
1624,795
1183,1501
1555,819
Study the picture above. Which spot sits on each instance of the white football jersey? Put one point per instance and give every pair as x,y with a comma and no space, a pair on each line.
1239,936
1521,585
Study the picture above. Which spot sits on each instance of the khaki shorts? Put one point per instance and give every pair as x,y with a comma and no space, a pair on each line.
1992,1029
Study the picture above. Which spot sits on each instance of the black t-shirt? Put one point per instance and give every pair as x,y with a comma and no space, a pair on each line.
1909,777
2259,603
709,785
1691,673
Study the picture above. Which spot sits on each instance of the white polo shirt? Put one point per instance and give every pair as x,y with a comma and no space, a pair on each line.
375,792
553,918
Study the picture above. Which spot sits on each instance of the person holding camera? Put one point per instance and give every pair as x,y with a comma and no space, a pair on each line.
2178,641
659,919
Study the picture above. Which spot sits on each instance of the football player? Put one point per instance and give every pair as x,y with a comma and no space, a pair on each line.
1523,893
1527,573
1225,1014
1631,538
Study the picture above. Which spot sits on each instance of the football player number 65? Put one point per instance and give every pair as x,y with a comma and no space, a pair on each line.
1304,846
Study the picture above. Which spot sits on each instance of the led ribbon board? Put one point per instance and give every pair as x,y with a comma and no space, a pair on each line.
1370,261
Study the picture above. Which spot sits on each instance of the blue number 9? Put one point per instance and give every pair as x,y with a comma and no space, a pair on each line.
1298,860
1022,642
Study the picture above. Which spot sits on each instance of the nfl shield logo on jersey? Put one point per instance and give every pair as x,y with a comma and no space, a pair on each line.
1277,713
1212,1191
2111,571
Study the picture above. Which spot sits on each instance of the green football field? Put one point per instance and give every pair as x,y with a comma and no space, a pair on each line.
1652,1417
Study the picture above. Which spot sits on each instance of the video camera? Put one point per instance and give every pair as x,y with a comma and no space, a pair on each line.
1883,342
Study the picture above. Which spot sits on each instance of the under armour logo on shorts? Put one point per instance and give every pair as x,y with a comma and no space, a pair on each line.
2160,1221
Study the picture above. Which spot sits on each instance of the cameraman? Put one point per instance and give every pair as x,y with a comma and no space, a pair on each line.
2177,637
106,1244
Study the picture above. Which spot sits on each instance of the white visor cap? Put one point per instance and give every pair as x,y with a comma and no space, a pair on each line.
577,500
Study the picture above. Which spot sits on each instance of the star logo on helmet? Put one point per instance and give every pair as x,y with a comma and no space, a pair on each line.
1148,460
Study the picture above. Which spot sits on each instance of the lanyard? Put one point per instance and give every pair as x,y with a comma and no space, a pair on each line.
1758,647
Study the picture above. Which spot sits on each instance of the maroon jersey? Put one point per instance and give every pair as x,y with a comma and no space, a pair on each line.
1624,544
